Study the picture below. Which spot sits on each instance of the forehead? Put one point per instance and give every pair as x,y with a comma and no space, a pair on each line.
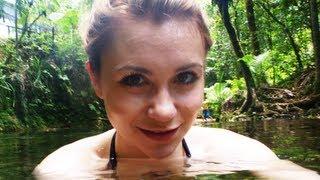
157,47
174,29
133,35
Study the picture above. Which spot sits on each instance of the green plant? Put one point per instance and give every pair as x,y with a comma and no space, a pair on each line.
216,95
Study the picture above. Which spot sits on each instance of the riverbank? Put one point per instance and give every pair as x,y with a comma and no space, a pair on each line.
9,123
296,98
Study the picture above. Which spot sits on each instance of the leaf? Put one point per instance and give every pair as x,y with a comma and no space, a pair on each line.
83,93
63,77
92,107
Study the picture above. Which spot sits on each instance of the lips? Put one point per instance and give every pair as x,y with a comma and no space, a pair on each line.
159,135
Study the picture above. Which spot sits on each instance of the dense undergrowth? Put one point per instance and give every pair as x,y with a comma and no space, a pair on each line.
45,85
291,99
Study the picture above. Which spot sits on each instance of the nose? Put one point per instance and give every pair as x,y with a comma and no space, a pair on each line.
162,107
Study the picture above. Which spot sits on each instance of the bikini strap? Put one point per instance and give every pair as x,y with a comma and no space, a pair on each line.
112,164
186,148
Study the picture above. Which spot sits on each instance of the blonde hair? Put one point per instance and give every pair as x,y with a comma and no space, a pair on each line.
98,30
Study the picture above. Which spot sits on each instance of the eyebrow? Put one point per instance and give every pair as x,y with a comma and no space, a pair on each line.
132,68
146,71
188,66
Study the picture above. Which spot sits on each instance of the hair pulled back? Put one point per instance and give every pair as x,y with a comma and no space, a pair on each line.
98,32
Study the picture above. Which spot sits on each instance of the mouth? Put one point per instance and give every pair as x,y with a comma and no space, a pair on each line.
159,135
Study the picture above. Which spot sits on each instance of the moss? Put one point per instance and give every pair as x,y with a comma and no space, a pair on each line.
9,122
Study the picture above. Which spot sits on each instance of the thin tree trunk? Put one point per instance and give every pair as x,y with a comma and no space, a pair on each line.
16,23
251,94
252,27
286,30
316,41
26,27
224,11
236,20
269,40
20,102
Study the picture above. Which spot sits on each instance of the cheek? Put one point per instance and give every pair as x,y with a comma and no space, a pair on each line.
191,102
121,106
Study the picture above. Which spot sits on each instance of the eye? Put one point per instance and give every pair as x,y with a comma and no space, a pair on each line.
187,77
133,80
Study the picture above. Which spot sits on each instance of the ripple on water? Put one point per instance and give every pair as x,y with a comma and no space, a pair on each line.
193,169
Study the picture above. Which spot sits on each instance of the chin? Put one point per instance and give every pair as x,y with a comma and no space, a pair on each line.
161,152
159,156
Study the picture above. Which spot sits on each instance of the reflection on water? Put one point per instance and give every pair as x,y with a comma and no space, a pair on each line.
190,169
296,140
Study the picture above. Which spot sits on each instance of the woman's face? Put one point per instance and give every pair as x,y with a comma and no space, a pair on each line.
152,85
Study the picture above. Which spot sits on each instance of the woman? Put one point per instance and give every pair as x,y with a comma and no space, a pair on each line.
146,62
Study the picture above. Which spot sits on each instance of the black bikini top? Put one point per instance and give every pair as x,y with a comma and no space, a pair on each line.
112,164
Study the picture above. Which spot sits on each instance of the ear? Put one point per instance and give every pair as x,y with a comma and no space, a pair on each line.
94,80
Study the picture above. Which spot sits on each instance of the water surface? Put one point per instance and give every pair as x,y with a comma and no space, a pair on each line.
295,140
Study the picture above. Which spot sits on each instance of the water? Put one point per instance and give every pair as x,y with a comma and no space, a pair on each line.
296,140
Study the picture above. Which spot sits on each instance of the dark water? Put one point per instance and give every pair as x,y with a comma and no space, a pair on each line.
296,140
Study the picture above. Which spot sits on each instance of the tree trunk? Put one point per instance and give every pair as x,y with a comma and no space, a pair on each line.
252,27
269,40
316,41
251,94
245,70
236,19
20,104
296,49
16,23
224,11
286,30
26,27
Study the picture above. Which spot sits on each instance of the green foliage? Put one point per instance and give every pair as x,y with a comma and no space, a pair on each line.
52,81
217,94
237,86
51,66
8,122
69,21
5,86
271,68
276,64
48,69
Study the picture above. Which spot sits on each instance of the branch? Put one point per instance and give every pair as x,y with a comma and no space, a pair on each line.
28,27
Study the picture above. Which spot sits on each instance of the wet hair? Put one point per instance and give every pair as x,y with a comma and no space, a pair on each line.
98,31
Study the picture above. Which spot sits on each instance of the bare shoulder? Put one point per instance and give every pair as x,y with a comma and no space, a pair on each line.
225,145
81,154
